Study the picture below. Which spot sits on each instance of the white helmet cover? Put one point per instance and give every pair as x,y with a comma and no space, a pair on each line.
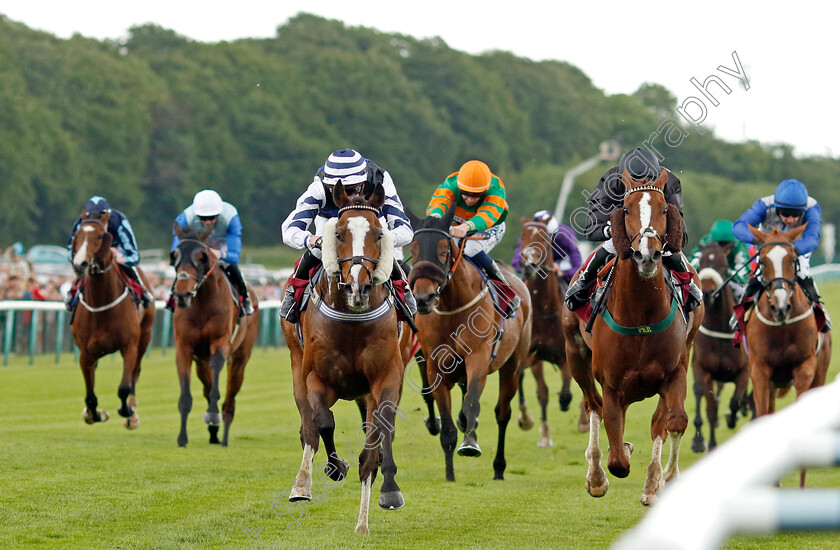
207,203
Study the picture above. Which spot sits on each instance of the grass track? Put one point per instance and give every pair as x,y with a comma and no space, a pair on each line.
64,484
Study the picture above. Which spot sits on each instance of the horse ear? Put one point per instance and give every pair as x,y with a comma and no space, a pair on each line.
760,236
728,247
178,230
377,198
524,220
449,215
204,234
794,234
619,234
106,217
339,194
662,179
673,228
627,179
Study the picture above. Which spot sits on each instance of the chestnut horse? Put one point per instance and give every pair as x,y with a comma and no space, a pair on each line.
349,347
547,342
643,349
209,331
464,338
107,319
715,359
784,345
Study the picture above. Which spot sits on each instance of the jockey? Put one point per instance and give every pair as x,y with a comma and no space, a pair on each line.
481,207
721,233
564,246
124,246
609,195
359,176
225,241
789,207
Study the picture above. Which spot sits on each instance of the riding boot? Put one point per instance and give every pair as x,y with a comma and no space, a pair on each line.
674,262
578,292
495,274
288,307
408,305
235,277
809,287
753,288
146,299
70,298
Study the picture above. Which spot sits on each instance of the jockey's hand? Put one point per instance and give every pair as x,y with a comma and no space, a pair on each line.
118,257
314,242
216,252
459,231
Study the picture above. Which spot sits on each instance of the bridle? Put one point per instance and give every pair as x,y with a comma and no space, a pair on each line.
539,267
95,268
183,275
779,283
358,259
448,267
649,231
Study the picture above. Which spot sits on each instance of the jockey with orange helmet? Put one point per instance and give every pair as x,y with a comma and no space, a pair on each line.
208,210
480,203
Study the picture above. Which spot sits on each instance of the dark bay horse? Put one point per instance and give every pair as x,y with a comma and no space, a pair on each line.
784,345
464,338
209,331
107,319
715,359
547,341
643,350
349,348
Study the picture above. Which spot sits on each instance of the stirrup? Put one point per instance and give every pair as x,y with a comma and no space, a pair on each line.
287,306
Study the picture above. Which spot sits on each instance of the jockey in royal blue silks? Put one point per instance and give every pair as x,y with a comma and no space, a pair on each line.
124,246
358,176
225,241
789,207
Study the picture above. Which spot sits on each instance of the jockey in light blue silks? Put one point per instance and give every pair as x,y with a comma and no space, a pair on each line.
789,207
225,241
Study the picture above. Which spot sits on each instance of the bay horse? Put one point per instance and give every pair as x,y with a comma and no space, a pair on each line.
547,342
209,331
715,359
783,341
349,348
107,319
464,338
643,350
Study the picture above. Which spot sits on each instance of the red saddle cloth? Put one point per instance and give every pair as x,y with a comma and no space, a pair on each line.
741,312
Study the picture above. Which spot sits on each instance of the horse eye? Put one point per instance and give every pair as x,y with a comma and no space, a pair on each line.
338,235
100,236
626,211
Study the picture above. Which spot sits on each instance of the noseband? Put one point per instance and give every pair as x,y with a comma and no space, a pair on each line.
780,283
183,275
447,269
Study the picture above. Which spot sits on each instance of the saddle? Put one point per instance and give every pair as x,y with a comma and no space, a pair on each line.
502,295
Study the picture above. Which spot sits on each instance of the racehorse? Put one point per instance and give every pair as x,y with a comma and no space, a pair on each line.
715,359
105,321
209,331
349,347
464,338
547,342
783,342
640,346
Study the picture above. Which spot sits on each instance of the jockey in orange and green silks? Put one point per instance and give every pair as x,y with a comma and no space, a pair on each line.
479,199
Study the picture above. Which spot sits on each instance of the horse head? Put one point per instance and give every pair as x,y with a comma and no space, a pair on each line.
432,253
358,249
651,221
778,261
536,253
92,246
712,269
192,261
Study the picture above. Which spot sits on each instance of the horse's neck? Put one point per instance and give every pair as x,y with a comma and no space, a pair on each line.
464,284
214,289
545,291
718,314
637,300
104,287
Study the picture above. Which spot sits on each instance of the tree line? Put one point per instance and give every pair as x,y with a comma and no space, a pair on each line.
149,120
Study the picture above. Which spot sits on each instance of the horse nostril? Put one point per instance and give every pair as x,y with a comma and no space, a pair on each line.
656,255
638,256
366,289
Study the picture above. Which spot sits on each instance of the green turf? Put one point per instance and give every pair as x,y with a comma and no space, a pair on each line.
64,484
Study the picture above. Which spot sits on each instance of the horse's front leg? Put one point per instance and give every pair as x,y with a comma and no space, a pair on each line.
448,431
126,388
183,360
90,414
302,488
508,382
676,420
476,379
542,396
739,397
386,394
213,418
321,398
615,410
701,388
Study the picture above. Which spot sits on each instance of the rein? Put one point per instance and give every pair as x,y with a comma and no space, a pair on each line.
451,270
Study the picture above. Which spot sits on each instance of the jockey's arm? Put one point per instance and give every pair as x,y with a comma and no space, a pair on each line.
295,228
754,216
233,240
810,239
394,212
126,244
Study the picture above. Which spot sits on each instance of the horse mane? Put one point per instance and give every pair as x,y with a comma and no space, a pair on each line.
673,229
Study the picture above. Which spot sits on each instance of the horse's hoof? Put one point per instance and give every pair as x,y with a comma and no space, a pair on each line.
597,491
649,500
182,440
213,419
731,420
433,425
392,500
469,448
336,473
545,442
565,400
88,418
698,445
132,422
526,421
362,530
